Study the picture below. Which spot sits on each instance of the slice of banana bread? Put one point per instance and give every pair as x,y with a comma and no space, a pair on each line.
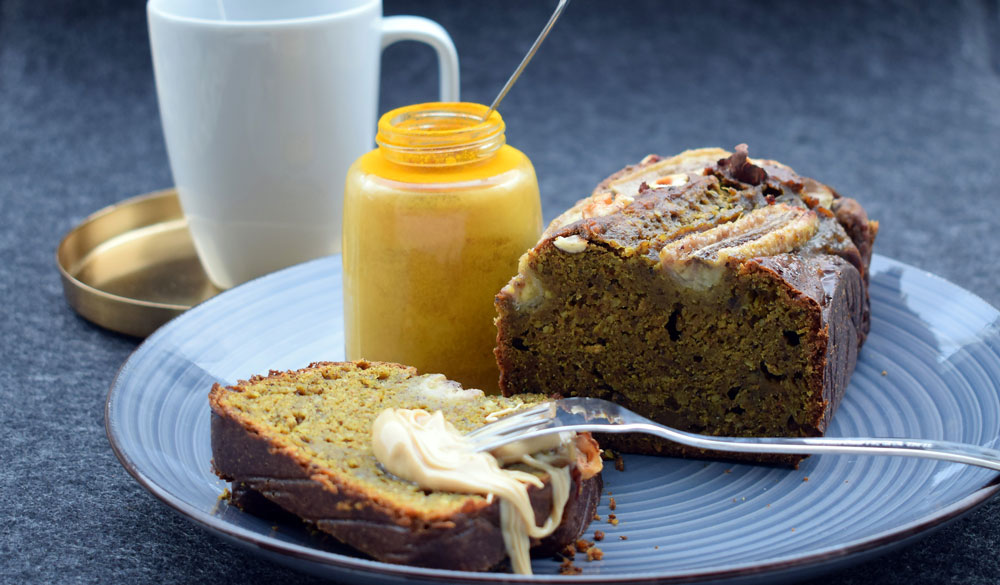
711,292
303,440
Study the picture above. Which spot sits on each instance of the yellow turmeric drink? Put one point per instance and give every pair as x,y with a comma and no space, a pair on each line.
435,220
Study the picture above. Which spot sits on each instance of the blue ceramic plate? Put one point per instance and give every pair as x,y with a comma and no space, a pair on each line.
930,369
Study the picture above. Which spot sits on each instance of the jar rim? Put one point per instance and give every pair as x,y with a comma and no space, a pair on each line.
440,133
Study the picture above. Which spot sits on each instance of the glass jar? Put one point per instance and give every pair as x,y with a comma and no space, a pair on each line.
435,220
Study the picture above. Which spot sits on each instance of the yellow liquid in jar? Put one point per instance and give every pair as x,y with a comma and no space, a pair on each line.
423,260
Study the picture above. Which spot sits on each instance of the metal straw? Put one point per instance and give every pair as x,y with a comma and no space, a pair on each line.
527,58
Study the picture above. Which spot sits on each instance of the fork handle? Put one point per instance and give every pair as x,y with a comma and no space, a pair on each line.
926,449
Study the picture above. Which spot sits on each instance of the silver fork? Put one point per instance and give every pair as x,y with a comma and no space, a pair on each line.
596,415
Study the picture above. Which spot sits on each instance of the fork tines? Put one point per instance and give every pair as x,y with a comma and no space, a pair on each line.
518,422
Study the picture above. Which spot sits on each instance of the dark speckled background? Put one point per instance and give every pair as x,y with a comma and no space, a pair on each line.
895,103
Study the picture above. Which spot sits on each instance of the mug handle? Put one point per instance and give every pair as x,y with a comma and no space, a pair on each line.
424,30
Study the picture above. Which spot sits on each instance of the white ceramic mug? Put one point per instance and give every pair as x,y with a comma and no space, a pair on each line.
265,104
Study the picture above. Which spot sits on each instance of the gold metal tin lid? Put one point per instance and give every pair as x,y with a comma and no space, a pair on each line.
132,267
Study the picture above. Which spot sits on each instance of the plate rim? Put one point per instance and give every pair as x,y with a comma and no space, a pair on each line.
784,565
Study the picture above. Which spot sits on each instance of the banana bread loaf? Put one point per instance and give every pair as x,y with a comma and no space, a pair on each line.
711,292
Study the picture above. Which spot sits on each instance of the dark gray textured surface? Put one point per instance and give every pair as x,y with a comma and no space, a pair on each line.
894,103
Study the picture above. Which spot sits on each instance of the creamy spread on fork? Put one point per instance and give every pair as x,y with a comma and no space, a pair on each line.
426,449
